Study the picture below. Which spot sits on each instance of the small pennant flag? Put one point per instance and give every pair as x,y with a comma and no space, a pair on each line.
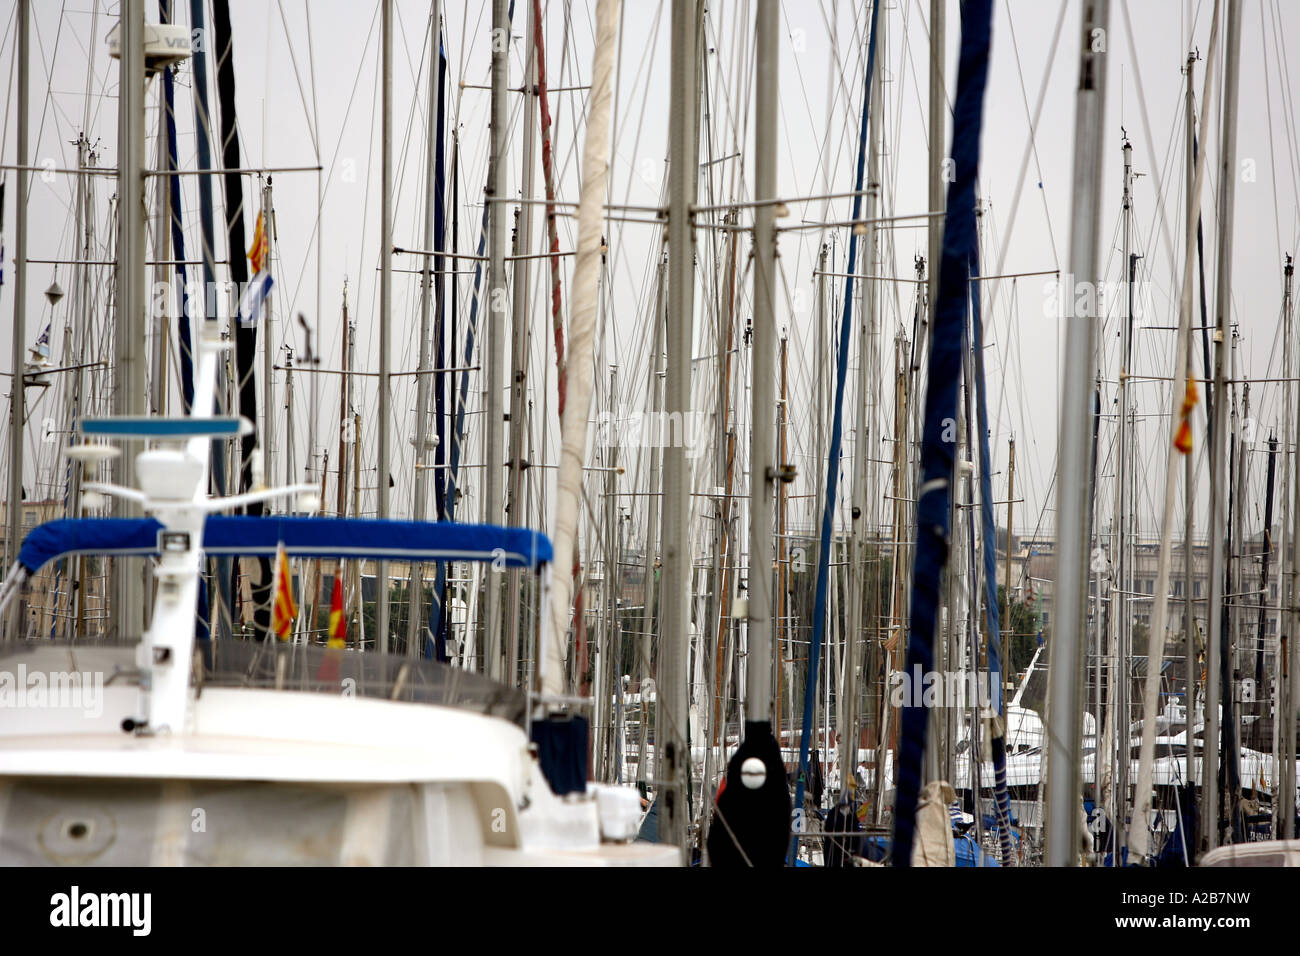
284,608
338,634
257,252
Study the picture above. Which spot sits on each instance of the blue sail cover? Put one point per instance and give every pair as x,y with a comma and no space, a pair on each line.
988,544
352,538
938,443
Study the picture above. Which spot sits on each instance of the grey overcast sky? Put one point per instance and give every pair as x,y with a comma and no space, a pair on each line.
307,80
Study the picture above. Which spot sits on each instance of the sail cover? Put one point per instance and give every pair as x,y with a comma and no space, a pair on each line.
302,537
938,451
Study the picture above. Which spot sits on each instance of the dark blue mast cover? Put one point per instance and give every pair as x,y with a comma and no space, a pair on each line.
938,445
1001,798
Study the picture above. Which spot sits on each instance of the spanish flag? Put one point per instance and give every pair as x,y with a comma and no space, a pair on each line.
257,252
284,608
338,627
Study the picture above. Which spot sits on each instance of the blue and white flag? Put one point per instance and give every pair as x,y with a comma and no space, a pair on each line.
250,306
42,347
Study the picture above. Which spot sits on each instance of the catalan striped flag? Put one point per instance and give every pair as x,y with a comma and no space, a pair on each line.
338,634
284,608
257,252
1183,440
330,664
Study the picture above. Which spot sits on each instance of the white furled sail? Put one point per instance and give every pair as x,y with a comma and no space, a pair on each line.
582,325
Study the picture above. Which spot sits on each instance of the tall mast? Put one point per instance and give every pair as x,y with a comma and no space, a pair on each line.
203,132
1074,459
1210,812
675,622
648,616
1007,663
1116,736
783,544
1189,472
520,340
495,346
385,310
16,398
161,244
763,467
863,498
129,365
938,116
345,429
1287,661
267,438
1180,442
415,587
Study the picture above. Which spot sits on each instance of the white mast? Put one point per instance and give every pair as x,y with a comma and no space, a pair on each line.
1286,664
129,364
938,122
521,338
16,398
762,465
495,345
1116,735
675,621
385,312
1074,460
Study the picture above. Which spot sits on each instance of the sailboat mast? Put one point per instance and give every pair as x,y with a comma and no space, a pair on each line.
162,252
385,310
345,430
267,438
415,585
863,468
1074,459
494,357
16,399
129,369
783,543
671,756
648,616
1008,666
938,116
1120,625
1287,659
763,467
1211,810
521,340
1189,473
